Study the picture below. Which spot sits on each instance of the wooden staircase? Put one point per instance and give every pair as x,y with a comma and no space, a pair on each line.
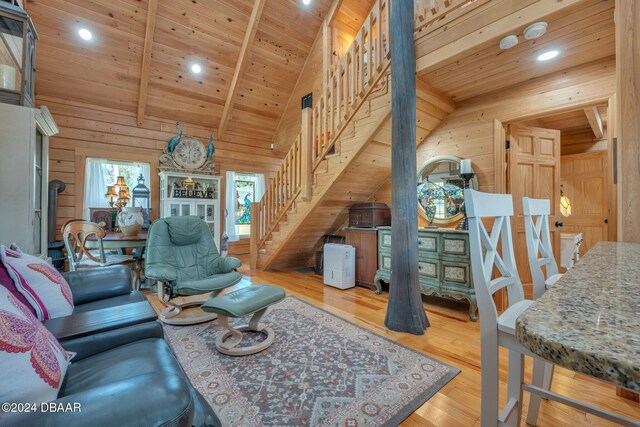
341,156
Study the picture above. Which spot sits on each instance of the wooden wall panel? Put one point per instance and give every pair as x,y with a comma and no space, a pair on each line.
583,142
241,247
91,131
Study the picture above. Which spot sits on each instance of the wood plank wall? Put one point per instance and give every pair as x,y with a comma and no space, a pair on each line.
471,131
90,131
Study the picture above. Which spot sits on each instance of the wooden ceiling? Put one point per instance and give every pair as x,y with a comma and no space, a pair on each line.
582,34
571,122
107,70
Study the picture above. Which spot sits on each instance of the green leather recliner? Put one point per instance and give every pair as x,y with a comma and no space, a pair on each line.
182,256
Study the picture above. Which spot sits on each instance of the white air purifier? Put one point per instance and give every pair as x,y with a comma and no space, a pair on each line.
339,266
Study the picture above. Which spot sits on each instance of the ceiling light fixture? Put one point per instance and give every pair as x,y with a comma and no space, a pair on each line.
85,34
548,55
509,41
536,30
196,68
306,2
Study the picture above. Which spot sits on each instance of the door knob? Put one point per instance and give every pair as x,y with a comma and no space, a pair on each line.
606,221
559,224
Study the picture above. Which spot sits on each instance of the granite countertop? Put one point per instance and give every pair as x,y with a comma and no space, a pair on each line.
589,321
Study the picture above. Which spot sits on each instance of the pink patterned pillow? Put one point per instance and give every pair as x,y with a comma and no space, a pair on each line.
33,362
41,284
7,282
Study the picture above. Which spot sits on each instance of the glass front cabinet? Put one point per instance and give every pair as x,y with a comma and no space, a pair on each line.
184,194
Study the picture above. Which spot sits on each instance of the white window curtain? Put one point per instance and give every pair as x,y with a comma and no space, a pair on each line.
96,172
95,186
230,205
231,202
260,187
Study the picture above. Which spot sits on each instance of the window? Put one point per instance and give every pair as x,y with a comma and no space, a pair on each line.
245,195
245,189
101,173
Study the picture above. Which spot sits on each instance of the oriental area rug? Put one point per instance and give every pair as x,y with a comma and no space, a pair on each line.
320,371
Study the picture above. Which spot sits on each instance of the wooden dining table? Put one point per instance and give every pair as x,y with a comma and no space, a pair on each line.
589,321
119,241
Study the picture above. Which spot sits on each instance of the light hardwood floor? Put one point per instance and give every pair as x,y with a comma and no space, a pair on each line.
452,338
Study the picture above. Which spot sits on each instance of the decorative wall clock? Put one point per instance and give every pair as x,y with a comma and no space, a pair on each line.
186,154
190,153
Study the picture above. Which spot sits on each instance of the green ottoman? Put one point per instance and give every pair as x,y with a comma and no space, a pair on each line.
254,300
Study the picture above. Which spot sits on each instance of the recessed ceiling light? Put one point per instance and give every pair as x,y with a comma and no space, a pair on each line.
196,68
546,56
306,2
85,34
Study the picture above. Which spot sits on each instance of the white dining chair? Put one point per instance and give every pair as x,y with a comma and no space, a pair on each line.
539,248
491,251
544,273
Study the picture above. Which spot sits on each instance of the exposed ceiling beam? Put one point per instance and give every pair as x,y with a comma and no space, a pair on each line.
146,59
247,43
491,31
595,121
333,11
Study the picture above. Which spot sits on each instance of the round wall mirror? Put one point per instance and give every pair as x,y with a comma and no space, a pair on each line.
440,179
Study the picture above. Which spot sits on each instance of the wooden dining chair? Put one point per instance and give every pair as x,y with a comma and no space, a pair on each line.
490,252
94,252
75,234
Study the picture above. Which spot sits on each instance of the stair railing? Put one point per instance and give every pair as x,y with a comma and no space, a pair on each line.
349,83
428,12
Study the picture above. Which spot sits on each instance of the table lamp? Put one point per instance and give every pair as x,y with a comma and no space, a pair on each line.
111,195
123,197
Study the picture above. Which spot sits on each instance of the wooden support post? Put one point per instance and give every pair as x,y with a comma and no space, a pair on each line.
627,113
326,55
306,178
254,237
628,126
405,312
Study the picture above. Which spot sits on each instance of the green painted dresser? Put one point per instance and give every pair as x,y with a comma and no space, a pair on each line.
443,263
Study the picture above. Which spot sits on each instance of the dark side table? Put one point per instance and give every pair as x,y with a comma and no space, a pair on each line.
102,320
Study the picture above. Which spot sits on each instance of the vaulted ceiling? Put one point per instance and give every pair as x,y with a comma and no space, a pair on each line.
106,71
